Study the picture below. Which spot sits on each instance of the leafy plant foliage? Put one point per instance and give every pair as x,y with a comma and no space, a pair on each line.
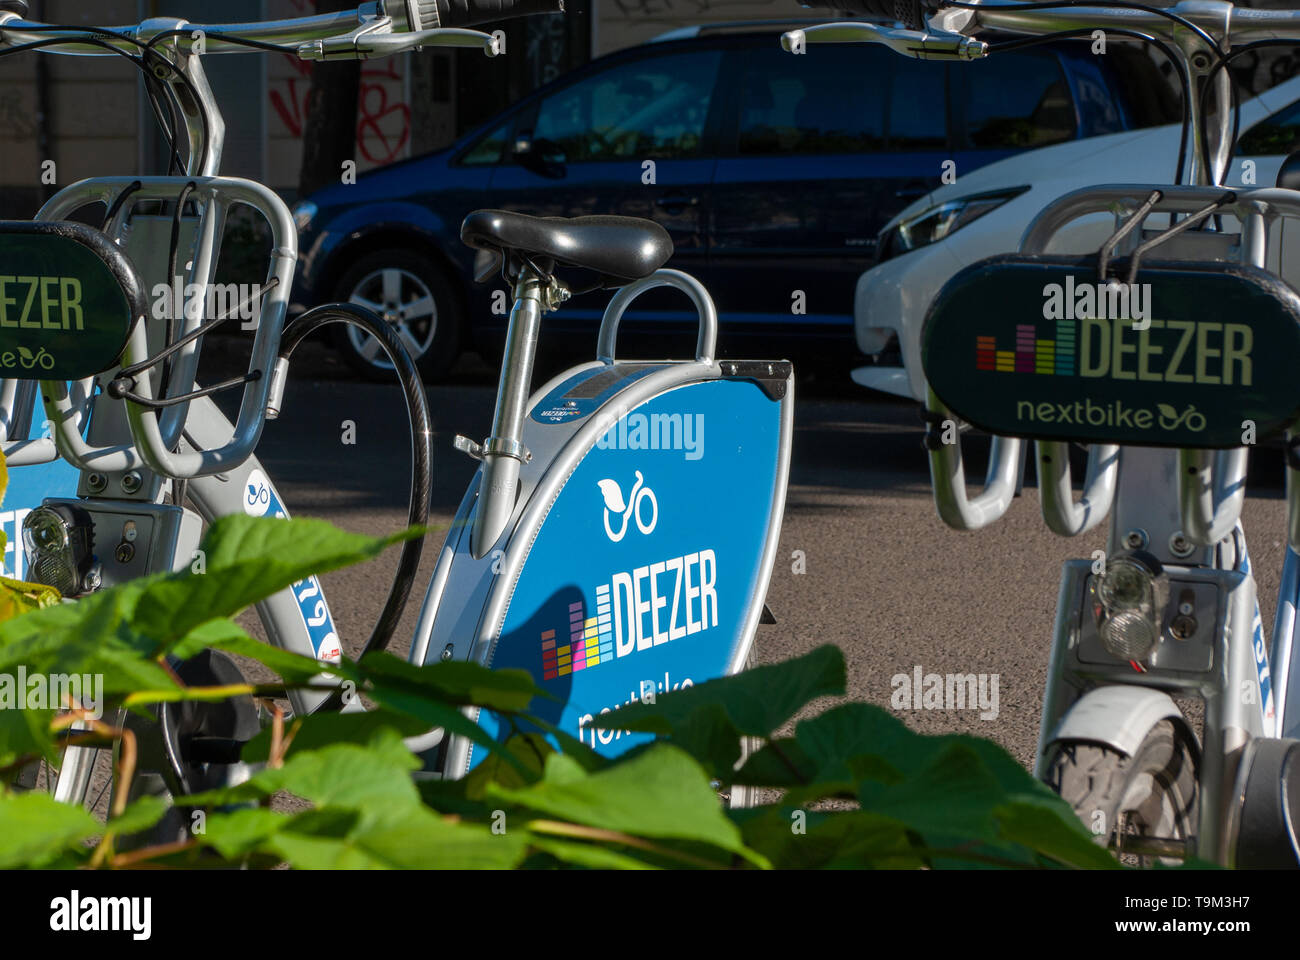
849,787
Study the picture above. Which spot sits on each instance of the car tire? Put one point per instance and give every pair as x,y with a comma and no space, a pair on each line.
416,296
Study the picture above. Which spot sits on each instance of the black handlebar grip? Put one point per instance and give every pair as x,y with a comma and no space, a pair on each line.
14,6
467,13
908,12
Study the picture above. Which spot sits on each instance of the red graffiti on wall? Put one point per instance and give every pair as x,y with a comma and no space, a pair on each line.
379,139
376,144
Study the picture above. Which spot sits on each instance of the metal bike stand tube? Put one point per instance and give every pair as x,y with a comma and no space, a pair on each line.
1062,514
1211,491
948,478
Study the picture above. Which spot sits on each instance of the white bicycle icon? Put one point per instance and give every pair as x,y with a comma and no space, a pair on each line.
614,503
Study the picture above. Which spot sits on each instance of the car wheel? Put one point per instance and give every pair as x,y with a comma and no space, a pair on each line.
412,294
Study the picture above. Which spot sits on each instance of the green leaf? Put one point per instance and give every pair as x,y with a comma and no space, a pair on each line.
140,815
26,733
18,597
247,559
588,855
457,682
953,794
241,832
532,749
1040,824
756,702
118,633
804,840
35,829
223,634
659,793
326,729
410,838
346,775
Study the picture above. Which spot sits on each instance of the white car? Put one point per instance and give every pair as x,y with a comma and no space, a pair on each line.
987,211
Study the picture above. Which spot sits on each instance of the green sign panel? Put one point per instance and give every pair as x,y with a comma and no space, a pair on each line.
1191,355
68,298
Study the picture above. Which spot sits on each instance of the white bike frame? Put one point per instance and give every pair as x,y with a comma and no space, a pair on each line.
1183,506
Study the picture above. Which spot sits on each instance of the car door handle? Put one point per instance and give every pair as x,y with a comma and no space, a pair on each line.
676,202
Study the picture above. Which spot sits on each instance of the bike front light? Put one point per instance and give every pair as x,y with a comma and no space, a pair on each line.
303,214
932,225
58,538
1132,595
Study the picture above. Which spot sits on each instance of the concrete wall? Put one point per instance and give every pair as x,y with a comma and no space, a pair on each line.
92,120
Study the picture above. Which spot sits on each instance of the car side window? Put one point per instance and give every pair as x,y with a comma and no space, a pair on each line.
828,103
653,108
1015,101
491,148
1278,134
917,106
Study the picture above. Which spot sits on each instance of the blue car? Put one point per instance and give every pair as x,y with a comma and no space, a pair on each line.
773,173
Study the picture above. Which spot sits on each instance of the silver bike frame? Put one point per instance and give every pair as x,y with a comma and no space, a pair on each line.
131,457
1183,506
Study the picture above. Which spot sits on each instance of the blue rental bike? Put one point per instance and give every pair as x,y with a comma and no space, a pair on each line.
619,535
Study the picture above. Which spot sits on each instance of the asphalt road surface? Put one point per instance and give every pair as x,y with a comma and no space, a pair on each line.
885,580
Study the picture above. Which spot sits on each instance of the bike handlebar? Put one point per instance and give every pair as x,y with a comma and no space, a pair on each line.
375,29
1217,18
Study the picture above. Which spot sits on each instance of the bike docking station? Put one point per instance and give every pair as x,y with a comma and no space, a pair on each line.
1158,376
619,537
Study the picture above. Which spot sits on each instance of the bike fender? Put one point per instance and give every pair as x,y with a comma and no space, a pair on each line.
1118,716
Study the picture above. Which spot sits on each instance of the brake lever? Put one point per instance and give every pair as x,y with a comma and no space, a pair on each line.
374,39
927,44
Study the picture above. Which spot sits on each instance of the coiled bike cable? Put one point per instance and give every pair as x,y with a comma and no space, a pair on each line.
417,409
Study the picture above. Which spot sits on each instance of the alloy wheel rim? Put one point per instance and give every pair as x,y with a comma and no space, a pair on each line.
402,300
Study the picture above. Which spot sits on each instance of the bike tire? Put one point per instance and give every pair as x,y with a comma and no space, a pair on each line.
1150,794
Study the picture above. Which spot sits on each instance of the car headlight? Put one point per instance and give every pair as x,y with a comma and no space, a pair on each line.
303,214
932,225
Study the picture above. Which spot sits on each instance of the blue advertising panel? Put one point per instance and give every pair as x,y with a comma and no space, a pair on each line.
648,565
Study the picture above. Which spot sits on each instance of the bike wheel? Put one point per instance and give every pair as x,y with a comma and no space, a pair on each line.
1152,795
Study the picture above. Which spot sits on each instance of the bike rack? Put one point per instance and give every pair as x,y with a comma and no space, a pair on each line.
1211,487
1210,483
155,436
707,339
948,476
1062,514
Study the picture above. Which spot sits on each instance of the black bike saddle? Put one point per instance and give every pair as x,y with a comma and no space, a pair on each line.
626,248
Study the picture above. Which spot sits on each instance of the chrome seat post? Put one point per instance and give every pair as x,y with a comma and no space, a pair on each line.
503,451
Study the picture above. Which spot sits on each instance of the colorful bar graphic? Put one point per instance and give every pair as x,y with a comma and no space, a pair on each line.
1025,334
1064,348
1032,354
591,639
